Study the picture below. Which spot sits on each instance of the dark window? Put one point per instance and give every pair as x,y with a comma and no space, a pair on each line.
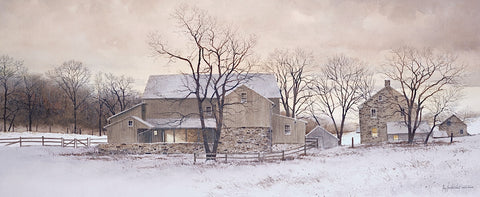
288,131
208,111
373,113
449,123
461,131
380,98
243,98
130,123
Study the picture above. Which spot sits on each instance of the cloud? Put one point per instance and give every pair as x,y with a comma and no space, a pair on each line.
111,35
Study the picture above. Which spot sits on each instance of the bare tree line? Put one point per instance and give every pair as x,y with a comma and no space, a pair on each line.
66,96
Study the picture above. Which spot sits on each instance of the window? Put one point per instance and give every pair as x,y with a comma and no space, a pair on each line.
130,123
449,123
243,97
395,138
155,133
380,98
374,132
373,113
288,131
208,111
461,131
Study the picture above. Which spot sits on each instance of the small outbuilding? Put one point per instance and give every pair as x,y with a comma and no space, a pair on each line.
454,125
398,131
325,139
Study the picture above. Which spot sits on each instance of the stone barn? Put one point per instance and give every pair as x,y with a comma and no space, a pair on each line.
167,119
454,125
326,140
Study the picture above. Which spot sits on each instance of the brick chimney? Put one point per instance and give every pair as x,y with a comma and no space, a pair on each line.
387,83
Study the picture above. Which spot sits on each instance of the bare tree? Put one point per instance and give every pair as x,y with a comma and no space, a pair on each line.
342,84
439,104
422,74
120,87
10,73
72,77
290,69
217,64
32,90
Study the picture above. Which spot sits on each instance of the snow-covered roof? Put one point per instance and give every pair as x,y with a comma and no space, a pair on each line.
180,85
319,131
178,123
401,128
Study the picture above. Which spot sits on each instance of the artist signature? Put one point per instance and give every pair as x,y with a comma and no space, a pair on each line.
456,187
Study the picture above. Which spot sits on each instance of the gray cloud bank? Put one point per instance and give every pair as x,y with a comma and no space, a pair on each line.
111,36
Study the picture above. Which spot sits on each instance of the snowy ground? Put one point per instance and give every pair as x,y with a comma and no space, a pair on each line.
384,170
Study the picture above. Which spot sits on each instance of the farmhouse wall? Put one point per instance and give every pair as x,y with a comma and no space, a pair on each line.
385,102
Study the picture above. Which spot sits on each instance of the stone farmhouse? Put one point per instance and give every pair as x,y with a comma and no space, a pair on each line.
167,119
381,118
454,125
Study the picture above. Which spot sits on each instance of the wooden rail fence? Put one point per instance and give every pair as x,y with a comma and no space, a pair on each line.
51,141
259,157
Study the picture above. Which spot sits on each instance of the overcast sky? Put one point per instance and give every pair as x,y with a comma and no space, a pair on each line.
111,36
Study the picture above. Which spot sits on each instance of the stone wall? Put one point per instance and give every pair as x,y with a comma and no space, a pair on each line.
154,148
232,140
245,139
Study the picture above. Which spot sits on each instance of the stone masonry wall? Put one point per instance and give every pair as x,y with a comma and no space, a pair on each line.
154,148
245,139
232,140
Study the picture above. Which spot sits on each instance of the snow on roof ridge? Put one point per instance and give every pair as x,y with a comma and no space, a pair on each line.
179,85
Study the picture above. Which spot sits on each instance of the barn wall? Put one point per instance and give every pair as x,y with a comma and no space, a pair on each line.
241,140
256,112
135,111
119,132
297,135
172,108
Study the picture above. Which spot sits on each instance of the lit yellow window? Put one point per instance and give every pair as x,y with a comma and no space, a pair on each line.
395,137
374,132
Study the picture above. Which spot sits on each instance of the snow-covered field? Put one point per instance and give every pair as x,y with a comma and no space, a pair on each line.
386,170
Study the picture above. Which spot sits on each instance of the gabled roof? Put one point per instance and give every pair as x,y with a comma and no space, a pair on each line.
401,128
374,96
453,118
180,85
124,111
319,131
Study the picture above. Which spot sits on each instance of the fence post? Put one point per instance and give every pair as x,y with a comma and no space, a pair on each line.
259,157
20,141
88,142
43,141
352,142
451,137
75,142
317,142
226,157
62,143
305,149
283,155
194,158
